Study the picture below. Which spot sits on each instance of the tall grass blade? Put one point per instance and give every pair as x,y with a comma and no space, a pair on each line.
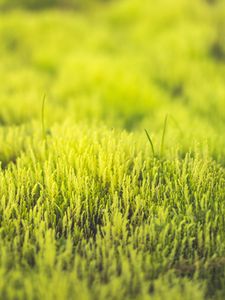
163,135
43,117
150,141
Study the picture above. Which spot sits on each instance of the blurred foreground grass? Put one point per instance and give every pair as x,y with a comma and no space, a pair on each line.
88,212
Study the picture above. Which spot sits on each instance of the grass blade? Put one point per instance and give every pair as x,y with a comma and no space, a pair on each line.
150,141
43,117
163,135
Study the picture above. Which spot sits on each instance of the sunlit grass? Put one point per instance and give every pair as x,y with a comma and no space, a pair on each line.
112,184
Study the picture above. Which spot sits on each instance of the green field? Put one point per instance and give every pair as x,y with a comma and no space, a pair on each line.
112,149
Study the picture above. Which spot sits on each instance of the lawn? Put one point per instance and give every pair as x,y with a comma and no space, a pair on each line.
112,150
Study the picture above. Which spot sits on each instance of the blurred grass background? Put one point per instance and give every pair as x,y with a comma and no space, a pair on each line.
43,4
122,63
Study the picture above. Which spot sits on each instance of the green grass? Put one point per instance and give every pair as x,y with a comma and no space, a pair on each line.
112,185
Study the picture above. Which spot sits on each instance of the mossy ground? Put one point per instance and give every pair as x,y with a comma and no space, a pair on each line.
86,210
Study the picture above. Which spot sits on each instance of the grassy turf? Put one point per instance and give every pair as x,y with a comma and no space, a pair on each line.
91,207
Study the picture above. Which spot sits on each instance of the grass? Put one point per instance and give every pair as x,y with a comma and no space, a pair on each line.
102,208
163,136
150,142
43,118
